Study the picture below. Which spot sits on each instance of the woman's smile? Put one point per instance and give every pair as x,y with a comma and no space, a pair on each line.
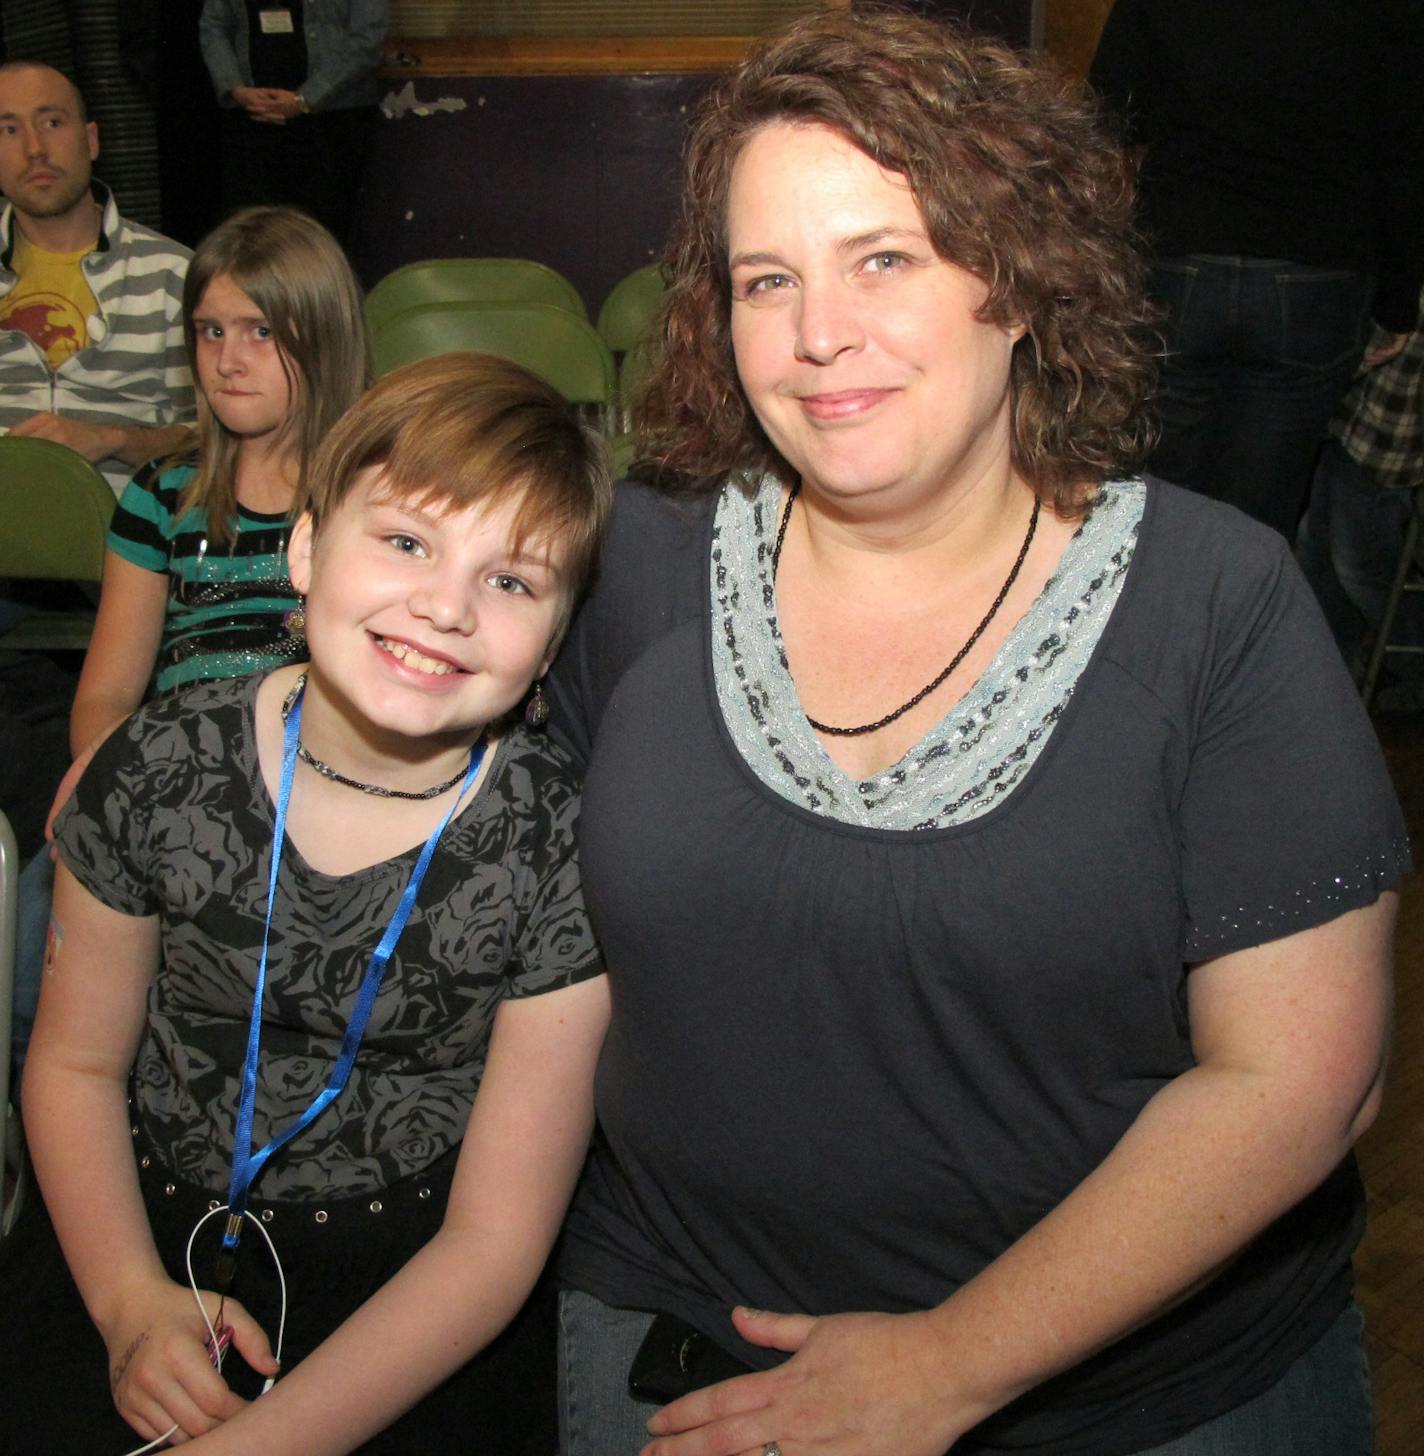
843,404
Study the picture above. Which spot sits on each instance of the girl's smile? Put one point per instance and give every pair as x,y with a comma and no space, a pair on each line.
424,623
412,657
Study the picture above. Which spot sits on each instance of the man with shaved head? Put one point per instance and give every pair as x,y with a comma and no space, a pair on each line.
91,335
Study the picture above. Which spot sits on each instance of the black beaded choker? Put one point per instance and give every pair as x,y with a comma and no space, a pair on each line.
327,772
958,657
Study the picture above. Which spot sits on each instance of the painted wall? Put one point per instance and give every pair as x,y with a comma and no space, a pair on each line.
579,172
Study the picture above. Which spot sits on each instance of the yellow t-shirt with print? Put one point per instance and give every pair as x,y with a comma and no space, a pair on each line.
51,301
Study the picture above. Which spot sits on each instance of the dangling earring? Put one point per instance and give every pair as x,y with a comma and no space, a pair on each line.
296,620
536,710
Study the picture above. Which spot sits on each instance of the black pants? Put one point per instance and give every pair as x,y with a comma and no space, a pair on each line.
313,162
54,1390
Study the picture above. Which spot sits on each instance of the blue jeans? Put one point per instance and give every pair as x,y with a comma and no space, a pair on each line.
1320,1407
1259,352
36,891
1349,547
597,1416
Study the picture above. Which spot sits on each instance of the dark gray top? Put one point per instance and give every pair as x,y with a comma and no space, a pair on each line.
172,818
848,1066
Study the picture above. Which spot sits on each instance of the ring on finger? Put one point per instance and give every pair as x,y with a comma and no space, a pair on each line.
770,1448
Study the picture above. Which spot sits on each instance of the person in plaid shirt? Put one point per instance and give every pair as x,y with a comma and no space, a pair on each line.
1362,496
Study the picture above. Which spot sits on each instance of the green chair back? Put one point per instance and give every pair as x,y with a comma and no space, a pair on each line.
470,280
54,512
628,312
54,518
553,343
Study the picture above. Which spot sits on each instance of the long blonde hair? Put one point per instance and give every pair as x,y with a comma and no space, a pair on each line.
298,276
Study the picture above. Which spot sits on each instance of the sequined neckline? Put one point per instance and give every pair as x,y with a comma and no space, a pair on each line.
982,749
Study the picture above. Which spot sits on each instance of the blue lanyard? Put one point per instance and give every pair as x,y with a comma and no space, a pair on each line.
246,1164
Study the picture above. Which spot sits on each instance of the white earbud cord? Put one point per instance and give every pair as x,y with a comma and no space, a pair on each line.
219,1350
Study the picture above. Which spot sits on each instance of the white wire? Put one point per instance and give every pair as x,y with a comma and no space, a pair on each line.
220,1352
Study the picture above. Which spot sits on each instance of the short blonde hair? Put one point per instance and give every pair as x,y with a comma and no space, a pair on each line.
462,429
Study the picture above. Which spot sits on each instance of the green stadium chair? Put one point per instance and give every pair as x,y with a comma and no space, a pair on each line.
553,343
54,518
470,280
629,310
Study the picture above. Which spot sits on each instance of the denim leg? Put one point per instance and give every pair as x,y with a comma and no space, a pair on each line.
1302,334
1349,547
1312,554
1198,304
1259,353
35,893
1320,1407
597,1416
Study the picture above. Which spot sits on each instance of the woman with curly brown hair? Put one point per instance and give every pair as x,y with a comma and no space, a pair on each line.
992,862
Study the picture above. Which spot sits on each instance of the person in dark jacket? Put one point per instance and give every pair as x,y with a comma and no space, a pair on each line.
1280,146
300,77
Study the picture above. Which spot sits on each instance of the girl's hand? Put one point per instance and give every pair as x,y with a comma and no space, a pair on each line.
857,1384
160,1369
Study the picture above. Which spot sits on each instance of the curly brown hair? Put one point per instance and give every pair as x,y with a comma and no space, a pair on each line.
1018,184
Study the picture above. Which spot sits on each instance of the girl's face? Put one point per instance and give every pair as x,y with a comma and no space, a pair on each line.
240,366
422,620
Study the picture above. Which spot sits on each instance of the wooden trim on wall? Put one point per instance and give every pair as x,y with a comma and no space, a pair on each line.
530,56
1071,31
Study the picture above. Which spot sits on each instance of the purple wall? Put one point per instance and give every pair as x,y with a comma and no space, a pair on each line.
579,172
1011,19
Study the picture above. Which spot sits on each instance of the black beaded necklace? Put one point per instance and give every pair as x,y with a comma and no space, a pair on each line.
958,657
327,772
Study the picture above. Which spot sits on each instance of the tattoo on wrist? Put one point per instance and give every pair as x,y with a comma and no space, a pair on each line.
126,1359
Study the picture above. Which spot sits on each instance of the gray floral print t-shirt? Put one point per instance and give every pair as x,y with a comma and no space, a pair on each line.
173,818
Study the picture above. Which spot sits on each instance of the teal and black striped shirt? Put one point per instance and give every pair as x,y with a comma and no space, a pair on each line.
227,606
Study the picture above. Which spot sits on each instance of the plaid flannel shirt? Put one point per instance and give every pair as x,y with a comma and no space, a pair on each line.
1380,421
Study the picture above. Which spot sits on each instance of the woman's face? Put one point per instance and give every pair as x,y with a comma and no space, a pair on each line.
856,343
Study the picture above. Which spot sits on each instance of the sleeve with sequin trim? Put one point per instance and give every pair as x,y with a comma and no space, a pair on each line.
1287,817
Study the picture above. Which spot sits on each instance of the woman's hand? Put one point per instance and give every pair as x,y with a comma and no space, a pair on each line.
856,1383
160,1366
